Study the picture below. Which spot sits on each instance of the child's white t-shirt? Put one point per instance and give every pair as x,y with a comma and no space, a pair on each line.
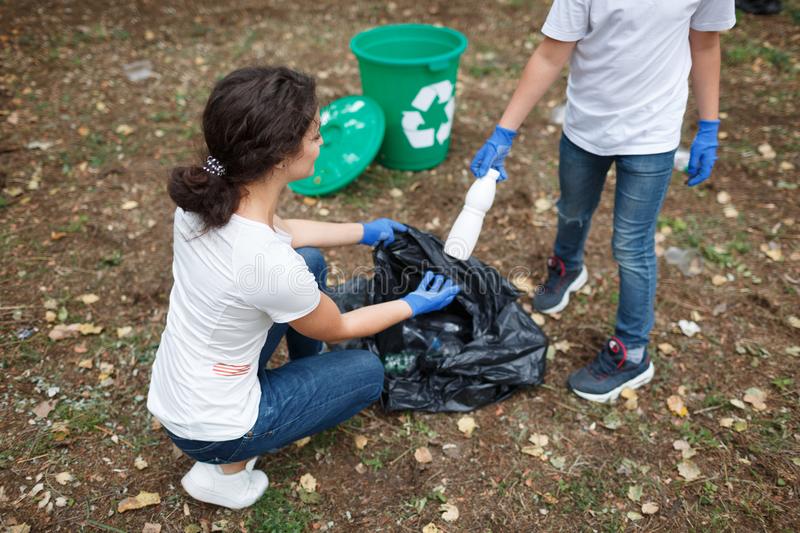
628,87
230,285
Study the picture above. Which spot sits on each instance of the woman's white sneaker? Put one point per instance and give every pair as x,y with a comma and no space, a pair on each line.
207,483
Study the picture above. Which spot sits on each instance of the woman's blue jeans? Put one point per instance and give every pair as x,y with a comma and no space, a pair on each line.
312,392
642,182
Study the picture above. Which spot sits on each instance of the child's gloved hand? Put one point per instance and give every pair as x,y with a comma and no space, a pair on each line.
380,230
703,153
434,293
493,153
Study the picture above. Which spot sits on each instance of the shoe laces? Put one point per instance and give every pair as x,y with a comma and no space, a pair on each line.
610,359
556,270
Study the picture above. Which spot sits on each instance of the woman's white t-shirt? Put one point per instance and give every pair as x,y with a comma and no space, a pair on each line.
627,86
230,285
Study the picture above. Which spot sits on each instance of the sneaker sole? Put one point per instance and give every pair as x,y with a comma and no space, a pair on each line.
642,379
203,495
575,286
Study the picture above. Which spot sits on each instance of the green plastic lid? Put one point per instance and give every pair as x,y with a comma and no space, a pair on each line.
352,132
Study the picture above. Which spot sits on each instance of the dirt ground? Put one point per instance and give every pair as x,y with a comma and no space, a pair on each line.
85,238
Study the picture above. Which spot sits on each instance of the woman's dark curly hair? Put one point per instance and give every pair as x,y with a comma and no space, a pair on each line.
254,119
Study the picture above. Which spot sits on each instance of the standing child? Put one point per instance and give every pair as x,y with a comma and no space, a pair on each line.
626,96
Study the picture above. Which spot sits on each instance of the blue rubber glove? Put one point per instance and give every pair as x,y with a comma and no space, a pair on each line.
434,293
493,153
380,230
703,152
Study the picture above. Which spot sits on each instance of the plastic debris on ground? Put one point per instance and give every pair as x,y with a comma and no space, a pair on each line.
139,70
689,261
480,349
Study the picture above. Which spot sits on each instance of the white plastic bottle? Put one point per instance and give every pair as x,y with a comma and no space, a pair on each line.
467,227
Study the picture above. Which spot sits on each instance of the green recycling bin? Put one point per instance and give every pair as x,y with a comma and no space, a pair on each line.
411,70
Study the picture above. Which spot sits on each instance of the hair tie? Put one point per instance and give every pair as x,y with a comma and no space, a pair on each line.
213,166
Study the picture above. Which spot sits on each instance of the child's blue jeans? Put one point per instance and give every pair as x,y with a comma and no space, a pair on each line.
312,392
642,182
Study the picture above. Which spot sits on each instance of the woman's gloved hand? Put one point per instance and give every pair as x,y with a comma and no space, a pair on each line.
703,153
380,230
434,292
493,153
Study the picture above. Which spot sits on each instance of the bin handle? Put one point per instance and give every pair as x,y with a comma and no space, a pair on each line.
438,65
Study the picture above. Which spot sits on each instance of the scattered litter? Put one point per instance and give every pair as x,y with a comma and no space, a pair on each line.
689,261
689,327
139,70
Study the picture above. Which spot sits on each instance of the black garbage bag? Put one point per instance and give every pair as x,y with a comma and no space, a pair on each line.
480,349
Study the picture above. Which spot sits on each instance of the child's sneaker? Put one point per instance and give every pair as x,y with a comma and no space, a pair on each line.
206,482
553,296
603,379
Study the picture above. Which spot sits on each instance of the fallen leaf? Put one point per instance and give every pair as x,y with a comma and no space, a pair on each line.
612,420
666,348
143,499
628,393
538,319
361,468
726,422
395,192
129,204
88,299
635,493
19,528
723,197
124,129
718,280
466,425
676,405
124,331
50,316
766,151
150,527
633,516
558,462
360,441
423,455
772,250
739,404
730,212
302,442
538,439
63,331
649,508
688,470
687,452
533,451
542,205
431,528
563,346
86,363
140,463
44,501
756,397
89,329
449,512
63,478
793,321
308,482
740,426
44,408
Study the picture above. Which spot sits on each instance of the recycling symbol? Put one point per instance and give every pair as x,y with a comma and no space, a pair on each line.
442,92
